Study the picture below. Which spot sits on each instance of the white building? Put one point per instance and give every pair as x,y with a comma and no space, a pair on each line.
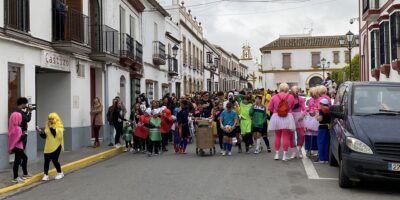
155,80
211,67
191,36
61,59
296,59
379,40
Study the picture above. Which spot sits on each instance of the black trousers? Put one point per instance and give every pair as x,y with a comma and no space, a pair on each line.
54,158
96,130
165,138
248,139
153,146
118,130
20,159
220,137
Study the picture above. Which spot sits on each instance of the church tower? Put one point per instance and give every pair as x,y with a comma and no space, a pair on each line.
246,52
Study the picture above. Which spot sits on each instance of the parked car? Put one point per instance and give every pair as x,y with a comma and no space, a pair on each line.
365,133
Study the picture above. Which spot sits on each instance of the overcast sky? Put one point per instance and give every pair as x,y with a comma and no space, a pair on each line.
230,23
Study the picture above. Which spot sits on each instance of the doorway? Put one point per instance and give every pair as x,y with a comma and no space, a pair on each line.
178,89
14,87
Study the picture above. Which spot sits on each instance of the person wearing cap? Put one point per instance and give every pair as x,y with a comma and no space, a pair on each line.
324,119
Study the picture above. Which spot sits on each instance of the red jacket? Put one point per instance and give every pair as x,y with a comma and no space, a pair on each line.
166,121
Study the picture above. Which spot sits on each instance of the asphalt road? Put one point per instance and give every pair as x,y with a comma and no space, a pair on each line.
189,177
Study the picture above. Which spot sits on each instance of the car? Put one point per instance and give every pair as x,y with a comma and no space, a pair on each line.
365,132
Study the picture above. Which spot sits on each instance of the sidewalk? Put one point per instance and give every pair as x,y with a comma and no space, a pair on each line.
65,158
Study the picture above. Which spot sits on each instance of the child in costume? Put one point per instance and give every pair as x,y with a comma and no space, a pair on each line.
259,121
228,121
154,134
246,122
183,126
128,137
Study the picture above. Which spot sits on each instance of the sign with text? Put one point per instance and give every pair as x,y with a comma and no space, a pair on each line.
52,60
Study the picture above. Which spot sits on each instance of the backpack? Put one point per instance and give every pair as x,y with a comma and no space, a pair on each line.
283,107
110,114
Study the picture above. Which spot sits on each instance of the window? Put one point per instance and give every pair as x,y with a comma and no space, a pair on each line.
122,20
17,14
14,87
365,5
315,59
155,32
190,53
184,50
374,49
149,90
336,58
395,35
209,58
132,30
286,60
384,43
346,57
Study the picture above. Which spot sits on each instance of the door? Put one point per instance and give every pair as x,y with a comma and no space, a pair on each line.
178,89
14,87
95,24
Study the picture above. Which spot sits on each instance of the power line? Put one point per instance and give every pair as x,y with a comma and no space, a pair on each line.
268,11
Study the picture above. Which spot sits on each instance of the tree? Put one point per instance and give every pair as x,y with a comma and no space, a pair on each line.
343,75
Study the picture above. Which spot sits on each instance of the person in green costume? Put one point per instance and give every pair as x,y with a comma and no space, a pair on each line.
128,137
245,122
155,134
259,119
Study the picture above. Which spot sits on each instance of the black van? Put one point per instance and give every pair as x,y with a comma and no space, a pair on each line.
365,132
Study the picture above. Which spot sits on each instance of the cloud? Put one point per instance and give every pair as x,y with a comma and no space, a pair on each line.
231,24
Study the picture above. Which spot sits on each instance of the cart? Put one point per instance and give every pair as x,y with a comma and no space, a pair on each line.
204,138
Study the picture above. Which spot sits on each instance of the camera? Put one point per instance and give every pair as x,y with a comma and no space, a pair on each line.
32,106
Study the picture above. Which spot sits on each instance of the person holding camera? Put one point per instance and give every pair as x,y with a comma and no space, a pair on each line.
26,112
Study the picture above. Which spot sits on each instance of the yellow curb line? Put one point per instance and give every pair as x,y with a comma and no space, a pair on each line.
65,168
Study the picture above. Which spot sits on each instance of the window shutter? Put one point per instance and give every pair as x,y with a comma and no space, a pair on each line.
373,42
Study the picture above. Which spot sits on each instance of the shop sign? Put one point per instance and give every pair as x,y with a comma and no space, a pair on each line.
56,61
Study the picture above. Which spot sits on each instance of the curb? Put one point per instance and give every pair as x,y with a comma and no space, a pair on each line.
65,168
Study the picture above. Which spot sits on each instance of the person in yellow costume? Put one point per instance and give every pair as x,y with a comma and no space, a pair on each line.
54,144
246,122
266,99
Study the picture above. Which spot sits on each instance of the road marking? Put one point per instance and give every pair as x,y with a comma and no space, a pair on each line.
311,172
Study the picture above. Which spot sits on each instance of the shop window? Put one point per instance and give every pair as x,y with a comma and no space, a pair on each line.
14,87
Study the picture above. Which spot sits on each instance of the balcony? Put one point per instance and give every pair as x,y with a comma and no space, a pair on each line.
138,73
127,50
173,67
371,10
139,52
105,44
158,53
71,31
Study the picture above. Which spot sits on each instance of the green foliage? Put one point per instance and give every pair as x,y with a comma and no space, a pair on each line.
342,75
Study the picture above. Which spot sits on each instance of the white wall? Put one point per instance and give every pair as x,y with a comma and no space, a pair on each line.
1,13
80,93
27,58
301,58
114,75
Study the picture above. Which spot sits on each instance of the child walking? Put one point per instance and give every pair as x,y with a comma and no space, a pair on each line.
228,121
246,122
259,120
128,137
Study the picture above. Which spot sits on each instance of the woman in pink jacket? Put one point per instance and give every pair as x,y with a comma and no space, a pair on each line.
322,92
15,145
299,112
311,124
283,126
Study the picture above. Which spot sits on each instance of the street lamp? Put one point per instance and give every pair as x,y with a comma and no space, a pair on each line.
323,62
349,42
175,51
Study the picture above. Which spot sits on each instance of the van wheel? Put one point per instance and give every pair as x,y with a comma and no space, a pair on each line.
332,160
344,181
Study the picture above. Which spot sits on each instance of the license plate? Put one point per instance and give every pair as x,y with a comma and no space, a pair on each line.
394,167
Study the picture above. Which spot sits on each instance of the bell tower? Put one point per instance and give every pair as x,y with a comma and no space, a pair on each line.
246,52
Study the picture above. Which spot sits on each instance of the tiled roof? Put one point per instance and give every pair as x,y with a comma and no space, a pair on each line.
302,42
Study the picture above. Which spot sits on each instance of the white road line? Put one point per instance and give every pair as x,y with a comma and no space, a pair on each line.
310,169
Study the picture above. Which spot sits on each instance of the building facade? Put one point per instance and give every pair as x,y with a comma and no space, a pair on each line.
252,75
379,40
211,67
296,59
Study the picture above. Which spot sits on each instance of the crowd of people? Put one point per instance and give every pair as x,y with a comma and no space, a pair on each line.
248,117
